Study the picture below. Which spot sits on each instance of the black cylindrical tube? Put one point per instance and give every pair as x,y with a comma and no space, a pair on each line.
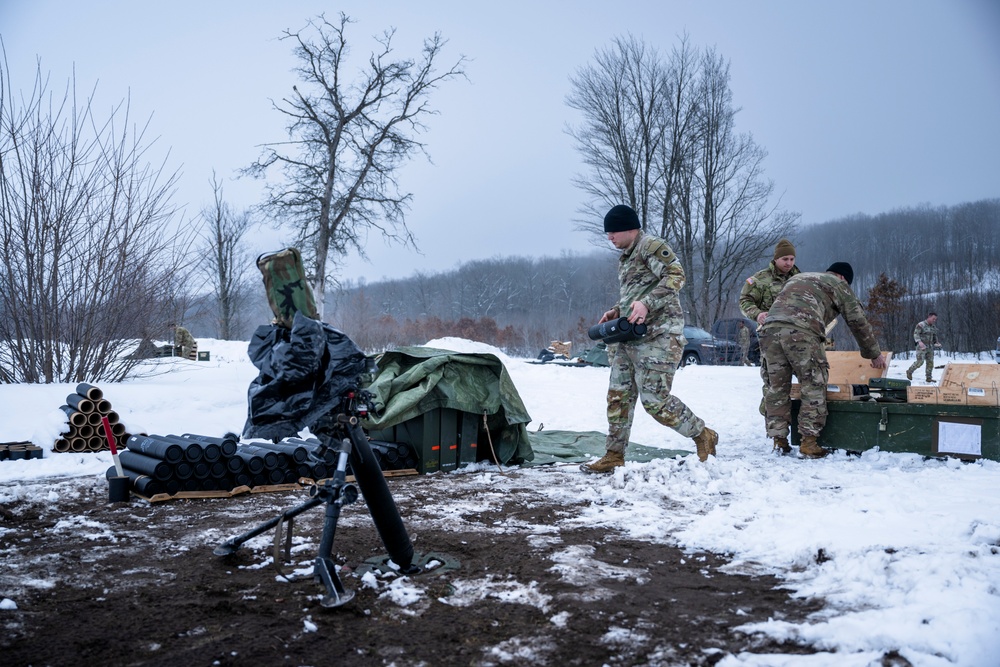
617,331
102,405
227,443
298,452
156,468
151,446
254,464
217,469
81,403
141,484
234,464
269,458
210,451
313,447
89,391
76,418
184,471
379,500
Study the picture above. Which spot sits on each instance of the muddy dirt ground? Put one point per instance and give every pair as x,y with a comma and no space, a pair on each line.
137,583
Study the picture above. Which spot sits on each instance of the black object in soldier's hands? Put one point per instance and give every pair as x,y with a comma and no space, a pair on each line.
617,330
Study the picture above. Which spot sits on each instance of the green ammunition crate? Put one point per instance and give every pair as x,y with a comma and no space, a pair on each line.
963,431
443,439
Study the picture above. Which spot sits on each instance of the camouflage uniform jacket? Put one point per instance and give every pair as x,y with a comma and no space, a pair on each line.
650,272
810,301
762,288
925,332
183,338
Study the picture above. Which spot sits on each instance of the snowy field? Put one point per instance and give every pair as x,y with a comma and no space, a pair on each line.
910,548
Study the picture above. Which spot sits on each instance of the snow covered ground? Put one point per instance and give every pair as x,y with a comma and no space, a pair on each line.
904,552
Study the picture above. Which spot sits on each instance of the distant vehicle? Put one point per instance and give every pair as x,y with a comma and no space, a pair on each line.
996,353
704,348
729,329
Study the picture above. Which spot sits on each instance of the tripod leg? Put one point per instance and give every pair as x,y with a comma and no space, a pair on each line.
325,569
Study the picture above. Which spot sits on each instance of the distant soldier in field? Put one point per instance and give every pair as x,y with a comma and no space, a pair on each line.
184,341
925,338
744,338
650,278
762,288
792,341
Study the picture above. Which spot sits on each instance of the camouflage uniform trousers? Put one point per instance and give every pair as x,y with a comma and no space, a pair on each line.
644,370
924,355
787,351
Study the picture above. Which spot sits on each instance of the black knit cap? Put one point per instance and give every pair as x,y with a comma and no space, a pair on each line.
844,269
621,218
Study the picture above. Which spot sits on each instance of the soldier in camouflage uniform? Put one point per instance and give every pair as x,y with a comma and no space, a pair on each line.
650,277
792,342
925,337
184,341
762,288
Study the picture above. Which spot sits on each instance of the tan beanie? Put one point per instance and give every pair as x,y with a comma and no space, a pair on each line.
783,248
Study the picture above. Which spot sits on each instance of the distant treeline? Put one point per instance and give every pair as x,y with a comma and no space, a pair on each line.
947,259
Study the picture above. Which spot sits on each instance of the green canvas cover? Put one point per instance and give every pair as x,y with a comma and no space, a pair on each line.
286,285
414,380
579,446
597,355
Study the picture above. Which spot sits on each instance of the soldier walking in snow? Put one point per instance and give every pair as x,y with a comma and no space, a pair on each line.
792,341
925,338
650,278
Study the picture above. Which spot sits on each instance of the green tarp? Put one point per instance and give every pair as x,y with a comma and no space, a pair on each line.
580,446
414,380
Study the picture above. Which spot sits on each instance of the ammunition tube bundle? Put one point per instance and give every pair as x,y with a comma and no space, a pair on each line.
169,464
85,433
617,331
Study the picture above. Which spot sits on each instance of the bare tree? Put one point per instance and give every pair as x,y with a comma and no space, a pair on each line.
670,150
227,260
622,99
88,255
347,142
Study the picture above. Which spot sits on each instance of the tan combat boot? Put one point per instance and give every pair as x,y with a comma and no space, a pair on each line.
809,449
909,375
606,463
705,442
781,445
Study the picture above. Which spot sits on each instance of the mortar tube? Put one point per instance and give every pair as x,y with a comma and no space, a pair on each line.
156,468
228,443
210,451
142,484
81,403
76,418
254,464
89,391
267,457
380,503
298,453
149,446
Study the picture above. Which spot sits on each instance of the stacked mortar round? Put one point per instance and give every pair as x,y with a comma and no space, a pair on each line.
169,464
85,410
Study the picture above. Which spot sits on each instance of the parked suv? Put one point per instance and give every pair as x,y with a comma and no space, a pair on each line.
729,329
704,348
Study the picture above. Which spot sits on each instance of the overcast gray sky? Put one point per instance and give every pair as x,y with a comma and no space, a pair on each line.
863,105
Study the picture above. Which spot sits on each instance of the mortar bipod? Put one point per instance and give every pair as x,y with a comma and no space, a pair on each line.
336,493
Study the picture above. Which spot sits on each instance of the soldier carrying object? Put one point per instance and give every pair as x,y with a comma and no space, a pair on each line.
184,340
792,342
650,278
925,338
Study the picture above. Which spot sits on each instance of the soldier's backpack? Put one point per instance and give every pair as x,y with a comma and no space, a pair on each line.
286,285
